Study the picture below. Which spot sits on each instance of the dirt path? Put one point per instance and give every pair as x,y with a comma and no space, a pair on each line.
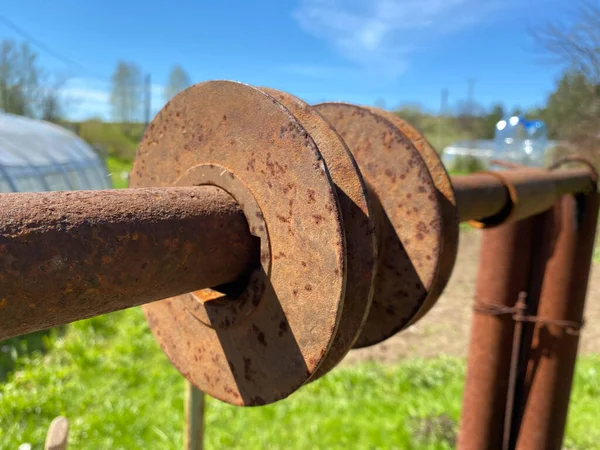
445,329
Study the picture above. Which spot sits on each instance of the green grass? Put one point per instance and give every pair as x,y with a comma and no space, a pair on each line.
108,376
119,171
113,139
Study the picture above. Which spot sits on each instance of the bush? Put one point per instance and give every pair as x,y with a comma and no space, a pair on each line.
465,165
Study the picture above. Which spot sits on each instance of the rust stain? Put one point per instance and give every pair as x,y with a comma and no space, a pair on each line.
269,159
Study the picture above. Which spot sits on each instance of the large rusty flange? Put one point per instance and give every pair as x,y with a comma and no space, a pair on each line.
243,140
358,225
446,200
412,217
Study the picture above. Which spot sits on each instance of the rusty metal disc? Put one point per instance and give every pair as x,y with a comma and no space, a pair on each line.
409,218
447,201
276,344
358,224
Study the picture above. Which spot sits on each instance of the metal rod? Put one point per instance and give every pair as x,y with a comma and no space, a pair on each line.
511,398
512,195
554,348
479,195
194,417
504,267
66,256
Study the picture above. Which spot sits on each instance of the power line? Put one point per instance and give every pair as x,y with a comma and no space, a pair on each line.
45,48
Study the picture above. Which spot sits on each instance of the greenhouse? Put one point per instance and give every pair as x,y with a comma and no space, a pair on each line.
40,156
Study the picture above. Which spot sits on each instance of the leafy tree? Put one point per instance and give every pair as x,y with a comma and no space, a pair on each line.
178,81
51,107
126,94
570,104
413,115
573,110
20,91
574,43
489,121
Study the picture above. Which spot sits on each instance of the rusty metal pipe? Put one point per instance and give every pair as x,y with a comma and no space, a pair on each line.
479,195
491,198
554,348
504,272
66,256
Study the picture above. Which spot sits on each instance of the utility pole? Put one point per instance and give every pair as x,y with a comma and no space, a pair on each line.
147,99
441,115
471,110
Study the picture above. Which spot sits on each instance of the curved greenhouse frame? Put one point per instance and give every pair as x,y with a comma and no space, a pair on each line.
40,156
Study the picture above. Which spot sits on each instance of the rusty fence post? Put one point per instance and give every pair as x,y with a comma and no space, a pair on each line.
194,417
504,272
551,362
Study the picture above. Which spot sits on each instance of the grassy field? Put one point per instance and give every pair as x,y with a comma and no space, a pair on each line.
118,171
108,376
113,139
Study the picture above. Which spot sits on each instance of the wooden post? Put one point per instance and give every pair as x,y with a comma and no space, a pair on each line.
58,434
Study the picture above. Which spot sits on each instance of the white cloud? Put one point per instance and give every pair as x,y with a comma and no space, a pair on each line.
381,34
84,98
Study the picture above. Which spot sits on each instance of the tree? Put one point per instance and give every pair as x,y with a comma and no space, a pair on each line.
490,120
51,108
573,110
126,94
178,81
414,115
569,106
19,79
575,43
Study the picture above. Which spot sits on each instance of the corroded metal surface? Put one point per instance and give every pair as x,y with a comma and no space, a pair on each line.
553,352
66,256
358,225
447,202
479,196
225,306
530,191
504,272
410,219
276,349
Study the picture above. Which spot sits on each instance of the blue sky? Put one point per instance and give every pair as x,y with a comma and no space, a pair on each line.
361,51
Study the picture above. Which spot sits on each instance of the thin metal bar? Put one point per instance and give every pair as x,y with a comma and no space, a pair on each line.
513,377
194,417
65,256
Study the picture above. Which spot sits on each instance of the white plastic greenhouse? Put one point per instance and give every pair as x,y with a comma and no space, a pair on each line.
40,156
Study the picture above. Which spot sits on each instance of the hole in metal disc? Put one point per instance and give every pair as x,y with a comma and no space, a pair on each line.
234,289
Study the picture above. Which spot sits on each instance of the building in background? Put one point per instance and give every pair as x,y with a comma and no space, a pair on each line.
40,156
